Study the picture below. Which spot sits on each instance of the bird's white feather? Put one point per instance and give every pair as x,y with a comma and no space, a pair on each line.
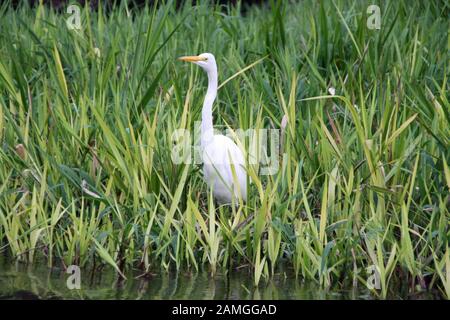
220,158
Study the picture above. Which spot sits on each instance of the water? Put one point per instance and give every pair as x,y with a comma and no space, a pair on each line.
37,281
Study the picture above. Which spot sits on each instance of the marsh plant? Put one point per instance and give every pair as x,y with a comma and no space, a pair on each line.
88,116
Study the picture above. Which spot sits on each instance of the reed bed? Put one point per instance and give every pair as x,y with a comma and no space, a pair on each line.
87,119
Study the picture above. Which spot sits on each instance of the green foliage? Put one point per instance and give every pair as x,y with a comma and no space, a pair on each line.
87,119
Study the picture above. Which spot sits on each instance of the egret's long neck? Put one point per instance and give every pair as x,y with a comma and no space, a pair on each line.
207,119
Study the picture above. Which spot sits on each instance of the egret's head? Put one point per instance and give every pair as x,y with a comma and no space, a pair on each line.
204,60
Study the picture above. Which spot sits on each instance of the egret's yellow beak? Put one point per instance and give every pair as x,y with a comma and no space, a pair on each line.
192,58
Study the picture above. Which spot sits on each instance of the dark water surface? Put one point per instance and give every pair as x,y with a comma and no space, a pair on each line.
37,281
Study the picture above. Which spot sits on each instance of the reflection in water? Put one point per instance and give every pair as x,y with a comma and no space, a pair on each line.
19,281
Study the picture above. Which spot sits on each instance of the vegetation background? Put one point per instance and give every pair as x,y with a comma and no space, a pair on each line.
87,117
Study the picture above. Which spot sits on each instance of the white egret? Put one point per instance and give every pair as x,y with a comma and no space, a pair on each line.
223,161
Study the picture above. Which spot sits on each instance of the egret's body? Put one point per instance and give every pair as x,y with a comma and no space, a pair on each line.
219,157
223,161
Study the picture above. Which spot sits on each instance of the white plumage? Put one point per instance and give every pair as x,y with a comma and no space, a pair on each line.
220,155
219,158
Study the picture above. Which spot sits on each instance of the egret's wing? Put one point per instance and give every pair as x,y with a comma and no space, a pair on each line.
238,160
